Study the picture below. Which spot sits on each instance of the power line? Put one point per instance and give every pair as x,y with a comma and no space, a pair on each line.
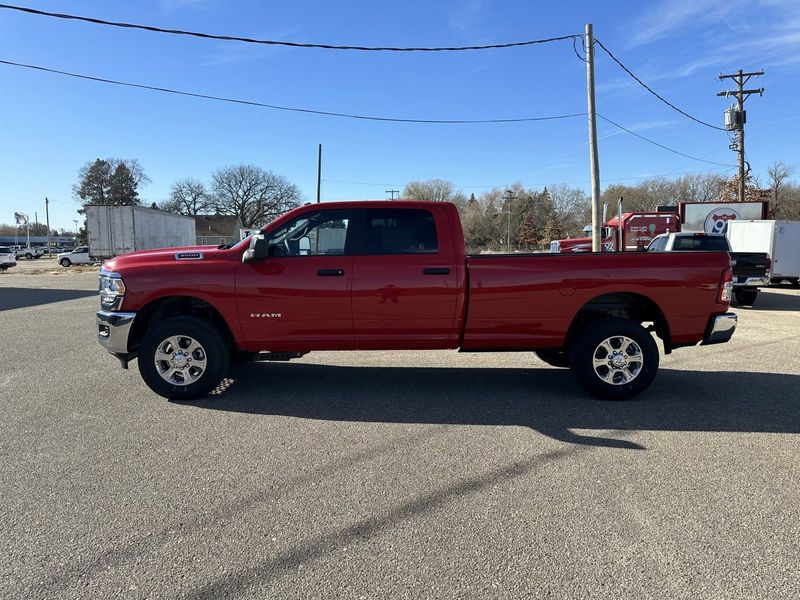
248,40
646,139
289,108
649,89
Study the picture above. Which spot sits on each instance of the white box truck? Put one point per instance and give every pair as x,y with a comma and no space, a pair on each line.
114,230
779,239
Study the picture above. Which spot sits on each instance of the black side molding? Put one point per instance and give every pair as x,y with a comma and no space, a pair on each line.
330,272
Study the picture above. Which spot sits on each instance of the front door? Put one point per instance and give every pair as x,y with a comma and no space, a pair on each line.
298,298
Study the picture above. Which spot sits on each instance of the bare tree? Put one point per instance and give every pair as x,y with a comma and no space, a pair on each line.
778,172
254,194
434,190
188,197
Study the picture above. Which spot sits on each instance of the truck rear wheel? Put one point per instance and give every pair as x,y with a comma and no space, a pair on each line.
614,359
745,296
554,358
183,358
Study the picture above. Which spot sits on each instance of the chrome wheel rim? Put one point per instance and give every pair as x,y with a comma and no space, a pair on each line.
617,360
180,360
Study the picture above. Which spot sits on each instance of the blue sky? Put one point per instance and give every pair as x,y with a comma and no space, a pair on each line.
51,125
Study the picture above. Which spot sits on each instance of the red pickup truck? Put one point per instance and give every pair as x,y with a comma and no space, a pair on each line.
395,275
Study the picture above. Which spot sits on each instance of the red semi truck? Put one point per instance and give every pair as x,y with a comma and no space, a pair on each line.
639,228
395,275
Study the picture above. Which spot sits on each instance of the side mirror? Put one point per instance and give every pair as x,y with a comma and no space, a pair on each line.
257,249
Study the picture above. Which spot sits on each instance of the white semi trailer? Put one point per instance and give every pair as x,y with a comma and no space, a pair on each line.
114,230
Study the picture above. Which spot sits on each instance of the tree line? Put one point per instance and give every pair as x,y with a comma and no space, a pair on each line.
518,218
514,218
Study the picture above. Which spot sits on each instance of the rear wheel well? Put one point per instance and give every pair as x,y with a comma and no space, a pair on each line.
624,305
176,306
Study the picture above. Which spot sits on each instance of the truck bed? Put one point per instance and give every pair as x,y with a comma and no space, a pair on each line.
522,301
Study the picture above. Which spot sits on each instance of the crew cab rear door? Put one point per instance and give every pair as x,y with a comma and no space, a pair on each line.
298,298
406,280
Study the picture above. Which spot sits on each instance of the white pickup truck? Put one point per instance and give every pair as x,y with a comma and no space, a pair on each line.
79,256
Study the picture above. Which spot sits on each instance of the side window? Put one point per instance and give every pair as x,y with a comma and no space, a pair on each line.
313,234
400,231
657,245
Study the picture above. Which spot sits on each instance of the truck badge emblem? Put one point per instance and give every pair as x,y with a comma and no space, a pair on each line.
265,315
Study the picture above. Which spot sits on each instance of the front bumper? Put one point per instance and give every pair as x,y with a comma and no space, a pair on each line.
720,329
113,329
751,281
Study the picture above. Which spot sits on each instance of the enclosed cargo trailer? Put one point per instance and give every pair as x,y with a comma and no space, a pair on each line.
114,230
779,239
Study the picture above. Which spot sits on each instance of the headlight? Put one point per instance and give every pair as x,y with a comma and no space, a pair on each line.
112,290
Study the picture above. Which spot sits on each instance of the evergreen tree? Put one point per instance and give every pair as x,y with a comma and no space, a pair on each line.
122,187
93,183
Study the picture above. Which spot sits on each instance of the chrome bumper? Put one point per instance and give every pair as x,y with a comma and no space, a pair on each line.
720,329
751,281
113,329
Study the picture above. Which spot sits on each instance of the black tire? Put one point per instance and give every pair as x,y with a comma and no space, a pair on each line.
554,358
745,296
217,356
29,256
587,345
65,262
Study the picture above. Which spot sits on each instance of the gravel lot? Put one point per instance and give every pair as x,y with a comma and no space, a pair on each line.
393,474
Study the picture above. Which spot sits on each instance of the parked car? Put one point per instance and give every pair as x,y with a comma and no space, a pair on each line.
30,252
780,239
396,275
751,270
7,258
79,256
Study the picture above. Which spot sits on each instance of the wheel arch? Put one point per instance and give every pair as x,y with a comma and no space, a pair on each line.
627,305
165,307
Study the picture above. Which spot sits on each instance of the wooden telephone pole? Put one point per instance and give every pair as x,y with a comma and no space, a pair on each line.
735,119
594,159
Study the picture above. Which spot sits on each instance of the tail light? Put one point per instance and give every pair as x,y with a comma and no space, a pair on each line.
768,265
725,286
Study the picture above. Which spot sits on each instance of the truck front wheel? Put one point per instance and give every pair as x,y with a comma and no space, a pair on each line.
183,358
746,296
65,262
614,359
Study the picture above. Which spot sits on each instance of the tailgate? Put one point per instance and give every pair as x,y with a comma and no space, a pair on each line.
749,264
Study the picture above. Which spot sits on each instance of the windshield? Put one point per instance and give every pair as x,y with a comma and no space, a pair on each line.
5,250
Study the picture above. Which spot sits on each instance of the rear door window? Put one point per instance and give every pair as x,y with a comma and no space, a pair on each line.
715,243
400,231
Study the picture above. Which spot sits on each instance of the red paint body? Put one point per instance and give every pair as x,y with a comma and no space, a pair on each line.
490,302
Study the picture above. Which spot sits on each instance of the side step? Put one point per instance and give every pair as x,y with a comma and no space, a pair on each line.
274,356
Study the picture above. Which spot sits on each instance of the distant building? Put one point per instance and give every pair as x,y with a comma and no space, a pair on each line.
213,230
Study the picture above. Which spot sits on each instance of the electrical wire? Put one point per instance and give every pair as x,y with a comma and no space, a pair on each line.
289,108
649,89
646,139
248,40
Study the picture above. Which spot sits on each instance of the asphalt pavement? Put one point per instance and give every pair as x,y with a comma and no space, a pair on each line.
394,474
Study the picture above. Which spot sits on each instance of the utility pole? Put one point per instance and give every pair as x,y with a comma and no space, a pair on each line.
319,172
508,198
76,231
735,119
594,160
47,217
392,193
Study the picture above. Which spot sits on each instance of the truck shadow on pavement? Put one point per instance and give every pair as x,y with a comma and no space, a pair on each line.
544,399
13,297
769,300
